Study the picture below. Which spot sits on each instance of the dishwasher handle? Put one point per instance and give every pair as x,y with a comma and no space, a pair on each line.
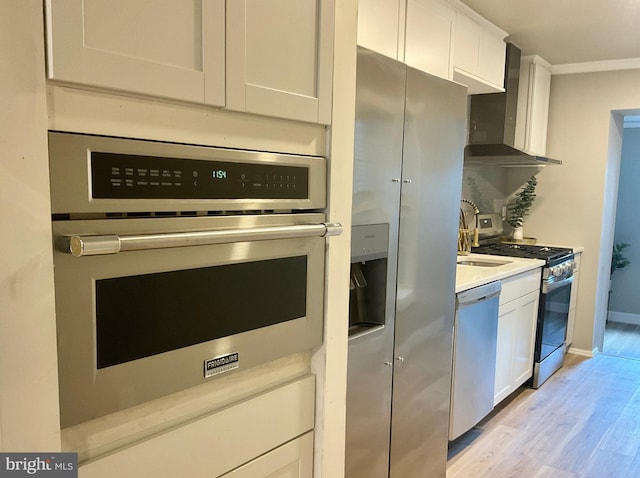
479,294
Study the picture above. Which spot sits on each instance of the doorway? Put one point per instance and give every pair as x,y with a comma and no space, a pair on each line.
622,328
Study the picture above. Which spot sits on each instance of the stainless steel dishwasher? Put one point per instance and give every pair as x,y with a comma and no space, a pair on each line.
474,357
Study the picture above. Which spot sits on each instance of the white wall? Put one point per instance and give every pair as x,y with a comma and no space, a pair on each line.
28,369
576,201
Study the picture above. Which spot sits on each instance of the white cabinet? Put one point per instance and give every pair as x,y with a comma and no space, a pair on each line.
478,53
167,49
293,460
429,35
269,434
268,57
280,58
381,26
442,37
533,105
573,300
517,318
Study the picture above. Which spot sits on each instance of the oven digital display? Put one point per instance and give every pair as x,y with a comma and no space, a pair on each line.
127,176
219,174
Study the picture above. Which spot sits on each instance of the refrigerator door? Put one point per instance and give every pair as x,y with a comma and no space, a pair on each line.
430,202
376,199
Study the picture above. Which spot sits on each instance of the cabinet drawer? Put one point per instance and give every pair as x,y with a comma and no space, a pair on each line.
293,460
219,442
520,285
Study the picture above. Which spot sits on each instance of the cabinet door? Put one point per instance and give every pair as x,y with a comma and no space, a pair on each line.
533,105
279,58
171,49
507,318
524,338
516,341
478,55
293,460
379,26
467,43
540,89
492,57
428,37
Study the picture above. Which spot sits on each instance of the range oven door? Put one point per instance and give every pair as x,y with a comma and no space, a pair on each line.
553,317
139,324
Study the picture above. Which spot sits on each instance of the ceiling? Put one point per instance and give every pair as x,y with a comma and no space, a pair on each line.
564,31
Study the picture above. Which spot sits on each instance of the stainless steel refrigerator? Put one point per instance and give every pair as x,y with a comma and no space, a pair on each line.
410,130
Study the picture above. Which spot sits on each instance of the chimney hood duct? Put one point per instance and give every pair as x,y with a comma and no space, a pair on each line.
492,123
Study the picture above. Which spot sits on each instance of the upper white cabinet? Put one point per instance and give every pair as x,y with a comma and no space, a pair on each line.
280,58
268,57
429,33
442,37
479,53
533,105
171,49
381,25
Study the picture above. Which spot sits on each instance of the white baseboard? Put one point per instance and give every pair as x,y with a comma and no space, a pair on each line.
624,317
584,353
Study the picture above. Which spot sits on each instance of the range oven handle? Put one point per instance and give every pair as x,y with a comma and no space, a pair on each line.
89,245
551,286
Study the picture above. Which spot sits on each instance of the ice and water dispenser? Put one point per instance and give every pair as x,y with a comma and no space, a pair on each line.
368,286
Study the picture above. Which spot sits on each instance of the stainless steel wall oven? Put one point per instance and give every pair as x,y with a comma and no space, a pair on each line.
177,263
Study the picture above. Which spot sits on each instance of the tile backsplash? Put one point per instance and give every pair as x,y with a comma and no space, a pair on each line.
486,186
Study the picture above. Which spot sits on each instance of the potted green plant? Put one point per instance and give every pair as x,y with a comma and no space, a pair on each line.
520,207
618,260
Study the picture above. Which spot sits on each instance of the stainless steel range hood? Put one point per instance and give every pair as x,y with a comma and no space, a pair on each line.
492,123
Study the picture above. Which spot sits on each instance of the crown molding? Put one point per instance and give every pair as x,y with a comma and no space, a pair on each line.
595,66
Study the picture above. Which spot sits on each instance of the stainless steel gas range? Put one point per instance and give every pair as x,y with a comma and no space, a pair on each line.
555,294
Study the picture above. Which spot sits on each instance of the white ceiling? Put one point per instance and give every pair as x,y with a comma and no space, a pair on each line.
564,31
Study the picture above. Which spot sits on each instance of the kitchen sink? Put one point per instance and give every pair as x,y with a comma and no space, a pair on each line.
477,263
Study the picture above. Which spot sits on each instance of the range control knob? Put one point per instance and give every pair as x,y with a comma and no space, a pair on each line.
556,271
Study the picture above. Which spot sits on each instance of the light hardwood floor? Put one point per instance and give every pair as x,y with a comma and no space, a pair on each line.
622,340
583,422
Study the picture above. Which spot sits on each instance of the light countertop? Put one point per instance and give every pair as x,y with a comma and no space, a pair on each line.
468,276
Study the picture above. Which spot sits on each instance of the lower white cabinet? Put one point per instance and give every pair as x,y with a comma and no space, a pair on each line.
517,318
292,460
266,435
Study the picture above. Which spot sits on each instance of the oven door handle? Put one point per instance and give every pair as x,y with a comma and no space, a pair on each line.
90,245
551,286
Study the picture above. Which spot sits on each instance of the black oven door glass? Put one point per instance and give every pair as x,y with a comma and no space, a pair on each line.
552,323
144,315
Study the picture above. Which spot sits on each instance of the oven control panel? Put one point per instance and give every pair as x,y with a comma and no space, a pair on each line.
127,176
559,272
